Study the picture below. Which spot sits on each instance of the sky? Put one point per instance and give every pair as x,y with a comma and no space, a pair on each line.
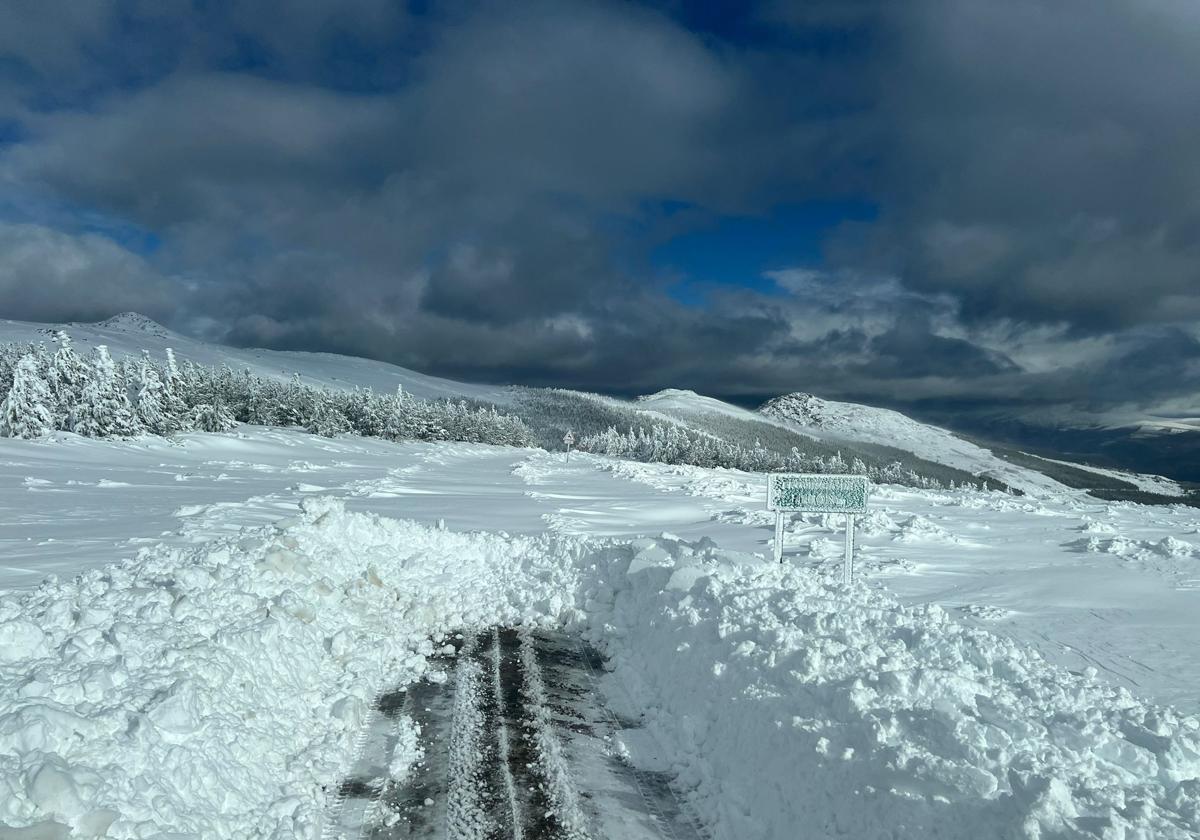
970,208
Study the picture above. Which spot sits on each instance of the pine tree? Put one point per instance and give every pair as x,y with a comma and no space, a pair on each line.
212,417
129,376
262,403
103,409
327,420
175,405
25,411
150,406
297,403
68,373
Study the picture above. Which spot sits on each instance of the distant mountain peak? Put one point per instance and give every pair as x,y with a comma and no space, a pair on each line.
667,392
797,407
134,322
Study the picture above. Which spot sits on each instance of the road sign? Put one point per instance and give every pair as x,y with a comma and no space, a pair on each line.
818,494
569,440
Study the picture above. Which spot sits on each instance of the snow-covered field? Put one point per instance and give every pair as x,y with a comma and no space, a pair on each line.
1003,666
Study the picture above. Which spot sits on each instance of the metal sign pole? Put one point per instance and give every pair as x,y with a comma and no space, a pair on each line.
848,566
778,536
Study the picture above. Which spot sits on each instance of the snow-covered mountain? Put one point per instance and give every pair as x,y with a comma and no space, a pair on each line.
130,333
831,420
848,424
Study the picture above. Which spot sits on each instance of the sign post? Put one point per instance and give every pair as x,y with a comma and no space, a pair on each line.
569,440
818,494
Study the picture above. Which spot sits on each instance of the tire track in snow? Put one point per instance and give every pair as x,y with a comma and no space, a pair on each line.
519,745
560,787
467,813
504,750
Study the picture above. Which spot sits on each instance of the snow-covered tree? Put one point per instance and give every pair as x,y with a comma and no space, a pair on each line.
174,403
25,411
151,403
262,403
67,375
104,409
364,411
297,403
326,419
212,417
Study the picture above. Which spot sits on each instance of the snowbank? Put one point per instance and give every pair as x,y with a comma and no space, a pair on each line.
794,706
218,691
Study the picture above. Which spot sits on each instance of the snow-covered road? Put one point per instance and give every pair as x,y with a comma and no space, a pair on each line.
515,742
215,684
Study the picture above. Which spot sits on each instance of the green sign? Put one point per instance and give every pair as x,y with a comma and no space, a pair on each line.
818,493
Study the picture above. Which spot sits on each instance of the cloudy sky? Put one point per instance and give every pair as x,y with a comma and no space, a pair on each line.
964,206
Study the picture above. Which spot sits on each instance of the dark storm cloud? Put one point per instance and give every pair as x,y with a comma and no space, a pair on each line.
472,189
1043,161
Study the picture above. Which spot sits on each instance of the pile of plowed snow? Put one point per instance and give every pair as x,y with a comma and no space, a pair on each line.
795,706
218,692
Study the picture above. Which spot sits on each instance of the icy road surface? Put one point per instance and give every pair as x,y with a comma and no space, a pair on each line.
515,741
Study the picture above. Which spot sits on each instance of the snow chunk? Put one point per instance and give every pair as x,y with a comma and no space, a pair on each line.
21,639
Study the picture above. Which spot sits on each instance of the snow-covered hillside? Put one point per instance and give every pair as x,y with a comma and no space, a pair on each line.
130,333
818,419
849,423
1149,483
673,402
834,421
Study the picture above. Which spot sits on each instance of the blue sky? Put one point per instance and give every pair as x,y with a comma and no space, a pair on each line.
739,251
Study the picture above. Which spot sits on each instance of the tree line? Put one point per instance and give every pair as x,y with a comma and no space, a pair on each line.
674,444
96,396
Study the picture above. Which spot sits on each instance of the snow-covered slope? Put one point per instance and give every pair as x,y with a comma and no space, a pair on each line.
130,333
833,420
675,401
850,423
1149,483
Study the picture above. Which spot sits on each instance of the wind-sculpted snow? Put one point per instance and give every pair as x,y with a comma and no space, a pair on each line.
219,691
